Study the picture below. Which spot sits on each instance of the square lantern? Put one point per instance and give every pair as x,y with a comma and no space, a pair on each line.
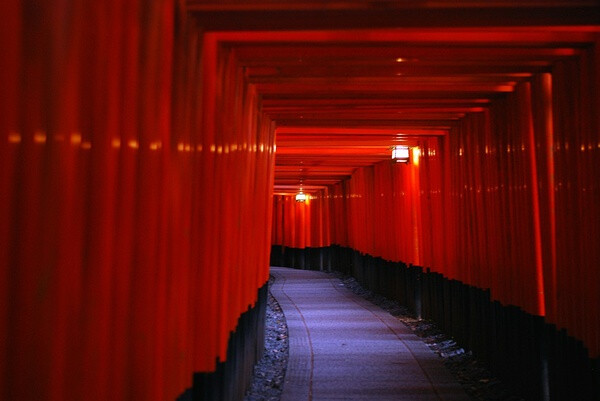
400,154
300,197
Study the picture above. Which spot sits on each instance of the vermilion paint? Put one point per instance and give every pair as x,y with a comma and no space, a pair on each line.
496,203
135,224
137,168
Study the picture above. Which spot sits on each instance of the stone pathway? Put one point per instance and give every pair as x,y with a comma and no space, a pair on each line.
342,347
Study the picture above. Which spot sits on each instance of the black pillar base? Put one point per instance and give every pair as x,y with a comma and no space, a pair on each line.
245,347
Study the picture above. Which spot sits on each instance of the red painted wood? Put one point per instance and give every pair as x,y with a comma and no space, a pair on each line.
497,203
137,172
131,242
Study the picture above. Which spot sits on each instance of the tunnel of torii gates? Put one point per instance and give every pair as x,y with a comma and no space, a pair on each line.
150,153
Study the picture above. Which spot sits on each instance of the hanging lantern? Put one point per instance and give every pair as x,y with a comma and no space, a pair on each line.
300,197
400,154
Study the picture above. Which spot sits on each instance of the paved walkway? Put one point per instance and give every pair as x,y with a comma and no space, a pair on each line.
342,347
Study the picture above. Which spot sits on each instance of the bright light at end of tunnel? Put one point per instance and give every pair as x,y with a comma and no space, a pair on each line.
301,197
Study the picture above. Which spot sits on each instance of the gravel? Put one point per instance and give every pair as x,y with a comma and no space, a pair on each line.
269,372
473,375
